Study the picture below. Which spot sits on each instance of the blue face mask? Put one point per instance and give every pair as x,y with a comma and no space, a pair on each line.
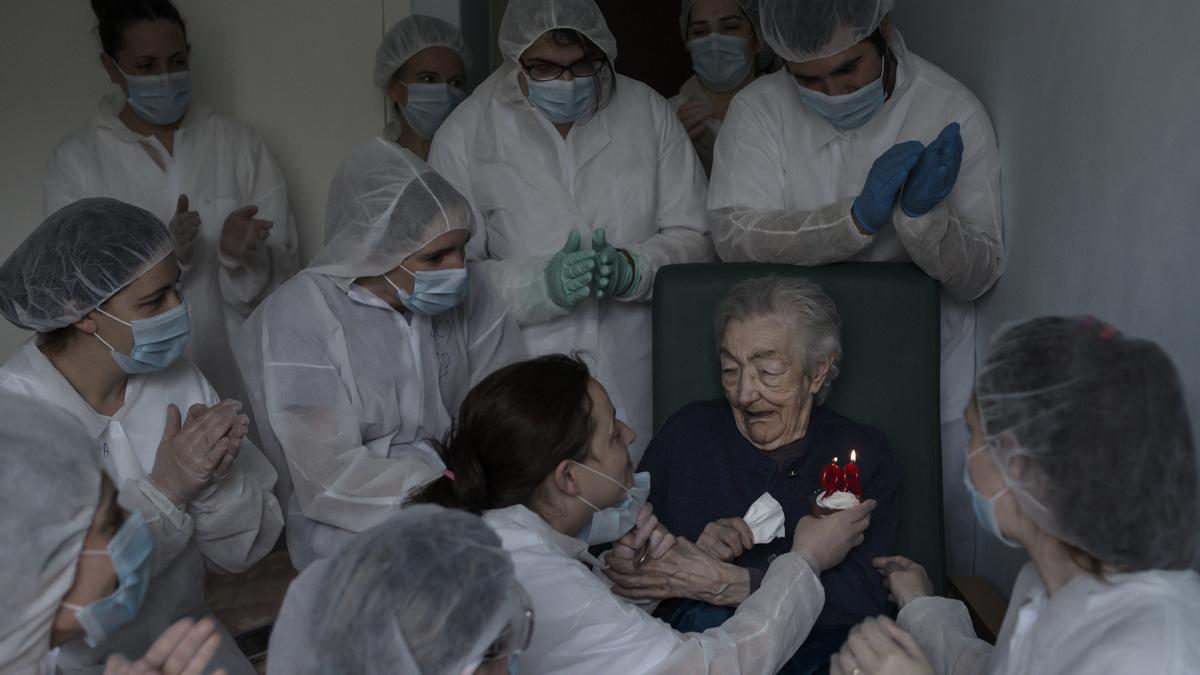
851,110
159,99
429,105
985,507
720,61
130,550
608,525
157,341
563,101
434,292
512,664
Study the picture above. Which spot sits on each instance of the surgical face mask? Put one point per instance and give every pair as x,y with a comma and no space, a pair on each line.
563,101
429,105
608,525
157,341
985,507
434,292
720,61
130,550
849,111
159,99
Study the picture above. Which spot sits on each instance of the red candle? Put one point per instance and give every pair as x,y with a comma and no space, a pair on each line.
831,477
850,476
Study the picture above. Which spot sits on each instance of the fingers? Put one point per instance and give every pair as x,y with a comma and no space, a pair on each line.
882,562
181,205
599,239
902,637
226,465
202,657
579,266
744,531
245,212
860,648
173,422
157,655
195,412
572,244
200,638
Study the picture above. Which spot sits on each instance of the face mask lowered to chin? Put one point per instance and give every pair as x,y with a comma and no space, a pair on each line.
131,550
609,525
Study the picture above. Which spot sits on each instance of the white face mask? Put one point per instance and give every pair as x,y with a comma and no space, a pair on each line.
610,524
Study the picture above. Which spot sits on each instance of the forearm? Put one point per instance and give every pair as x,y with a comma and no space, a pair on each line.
170,526
237,521
952,249
520,283
809,238
942,627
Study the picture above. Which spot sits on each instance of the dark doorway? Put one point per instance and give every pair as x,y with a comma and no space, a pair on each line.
649,45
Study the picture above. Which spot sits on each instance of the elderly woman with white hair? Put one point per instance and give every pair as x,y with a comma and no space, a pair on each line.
421,66
780,343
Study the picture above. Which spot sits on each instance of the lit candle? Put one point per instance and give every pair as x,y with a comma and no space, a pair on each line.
831,477
850,476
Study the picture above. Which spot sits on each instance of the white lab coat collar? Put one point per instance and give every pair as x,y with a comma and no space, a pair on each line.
110,107
520,517
822,133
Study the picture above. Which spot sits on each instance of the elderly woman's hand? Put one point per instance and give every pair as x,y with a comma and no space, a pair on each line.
647,533
879,647
684,572
726,539
904,579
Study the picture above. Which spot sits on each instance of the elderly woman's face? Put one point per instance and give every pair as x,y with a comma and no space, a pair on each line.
765,381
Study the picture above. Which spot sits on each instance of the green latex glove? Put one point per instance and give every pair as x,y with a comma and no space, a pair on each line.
569,275
616,276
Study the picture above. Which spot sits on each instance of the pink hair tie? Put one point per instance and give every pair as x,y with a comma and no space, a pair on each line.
450,474
1107,332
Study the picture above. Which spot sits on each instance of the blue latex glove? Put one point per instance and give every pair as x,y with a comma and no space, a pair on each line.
933,177
616,276
569,274
873,207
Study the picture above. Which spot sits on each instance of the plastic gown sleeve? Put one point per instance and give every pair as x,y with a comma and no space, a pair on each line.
244,285
768,627
959,242
757,226
942,627
494,340
682,235
337,479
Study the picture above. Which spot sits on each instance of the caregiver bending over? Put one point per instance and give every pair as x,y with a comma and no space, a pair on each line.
1082,454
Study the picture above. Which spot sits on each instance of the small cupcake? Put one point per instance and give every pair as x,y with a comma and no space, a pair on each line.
823,505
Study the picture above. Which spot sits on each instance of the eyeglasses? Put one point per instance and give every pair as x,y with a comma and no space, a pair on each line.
544,71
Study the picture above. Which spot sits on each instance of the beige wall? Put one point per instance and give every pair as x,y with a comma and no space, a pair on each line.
298,71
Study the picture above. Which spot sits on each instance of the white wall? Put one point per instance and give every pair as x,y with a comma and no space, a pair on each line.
1095,104
298,71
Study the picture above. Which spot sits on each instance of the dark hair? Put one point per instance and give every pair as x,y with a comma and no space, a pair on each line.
511,432
116,16
605,81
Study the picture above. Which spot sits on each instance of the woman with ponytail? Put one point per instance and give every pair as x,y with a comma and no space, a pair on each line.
538,451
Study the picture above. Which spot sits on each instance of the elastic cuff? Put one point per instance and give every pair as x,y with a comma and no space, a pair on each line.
637,274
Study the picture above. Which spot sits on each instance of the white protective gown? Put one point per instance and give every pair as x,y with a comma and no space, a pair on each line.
228,526
1142,622
784,181
581,627
221,166
629,169
347,390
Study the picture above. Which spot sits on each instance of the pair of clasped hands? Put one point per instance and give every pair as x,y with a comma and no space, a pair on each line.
241,235
917,176
651,563
198,452
573,275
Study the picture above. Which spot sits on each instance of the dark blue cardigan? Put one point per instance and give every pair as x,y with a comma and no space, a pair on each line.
703,469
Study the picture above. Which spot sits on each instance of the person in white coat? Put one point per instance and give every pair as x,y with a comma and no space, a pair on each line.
540,452
421,65
210,178
1081,453
428,591
861,150
722,37
558,153
72,555
358,360
98,282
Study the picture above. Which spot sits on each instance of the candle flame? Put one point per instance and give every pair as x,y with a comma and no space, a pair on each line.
835,460
853,456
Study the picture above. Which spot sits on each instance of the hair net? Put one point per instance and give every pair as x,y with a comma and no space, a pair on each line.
1101,425
526,20
49,490
804,30
78,258
750,7
426,591
384,205
410,36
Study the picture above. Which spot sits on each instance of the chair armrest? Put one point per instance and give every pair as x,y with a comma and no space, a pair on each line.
986,606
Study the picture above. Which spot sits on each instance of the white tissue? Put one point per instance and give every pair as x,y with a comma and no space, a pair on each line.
765,519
